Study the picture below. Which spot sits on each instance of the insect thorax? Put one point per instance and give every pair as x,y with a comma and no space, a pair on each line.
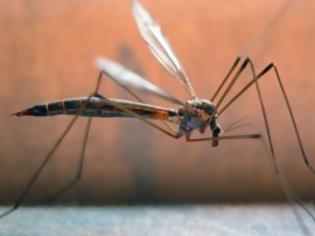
202,114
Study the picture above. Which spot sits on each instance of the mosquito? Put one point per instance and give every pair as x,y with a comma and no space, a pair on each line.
193,115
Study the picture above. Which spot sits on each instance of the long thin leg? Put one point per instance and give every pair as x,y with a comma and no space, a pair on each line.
245,88
232,82
225,78
135,115
268,68
78,173
226,137
293,120
286,187
170,127
236,62
30,184
81,161
25,191
170,133
264,113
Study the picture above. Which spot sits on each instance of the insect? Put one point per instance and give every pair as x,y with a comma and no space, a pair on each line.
189,116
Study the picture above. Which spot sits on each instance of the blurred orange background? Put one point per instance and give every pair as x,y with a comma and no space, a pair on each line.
48,50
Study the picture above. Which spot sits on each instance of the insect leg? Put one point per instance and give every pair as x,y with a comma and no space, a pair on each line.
25,191
236,76
236,62
169,126
225,79
233,80
226,137
264,71
31,182
297,134
245,88
135,115
286,187
170,133
78,174
289,192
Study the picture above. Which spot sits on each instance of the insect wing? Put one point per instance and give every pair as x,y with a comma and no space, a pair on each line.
128,78
159,45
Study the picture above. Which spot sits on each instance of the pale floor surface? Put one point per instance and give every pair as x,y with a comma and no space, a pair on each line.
156,220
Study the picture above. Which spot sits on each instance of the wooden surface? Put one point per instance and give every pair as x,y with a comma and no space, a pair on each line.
48,51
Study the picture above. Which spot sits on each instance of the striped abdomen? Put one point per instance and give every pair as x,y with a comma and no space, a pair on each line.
98,106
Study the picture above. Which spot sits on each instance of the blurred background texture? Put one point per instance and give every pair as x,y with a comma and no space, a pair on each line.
48,50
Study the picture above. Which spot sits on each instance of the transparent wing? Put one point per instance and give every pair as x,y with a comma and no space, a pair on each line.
128,78
159,45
